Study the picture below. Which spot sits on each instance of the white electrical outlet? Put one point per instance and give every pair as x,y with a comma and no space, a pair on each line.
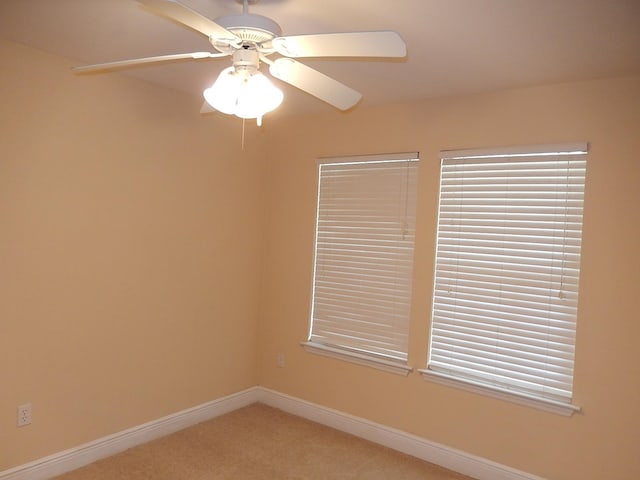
24,414
280,360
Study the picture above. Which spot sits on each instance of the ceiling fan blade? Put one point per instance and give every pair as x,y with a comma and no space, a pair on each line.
314,82
353,44
141,61
183,14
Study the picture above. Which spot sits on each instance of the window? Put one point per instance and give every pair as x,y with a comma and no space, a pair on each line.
507,269
365,227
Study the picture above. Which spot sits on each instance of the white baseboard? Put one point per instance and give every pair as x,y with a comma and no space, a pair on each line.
458,461
59,463
71,459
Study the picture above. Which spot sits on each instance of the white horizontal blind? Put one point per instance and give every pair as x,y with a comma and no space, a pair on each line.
364,254
507,269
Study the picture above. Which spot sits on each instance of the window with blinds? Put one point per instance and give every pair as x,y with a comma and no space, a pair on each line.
507,269
365,228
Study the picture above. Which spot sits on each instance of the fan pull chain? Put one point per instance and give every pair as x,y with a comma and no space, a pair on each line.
243,123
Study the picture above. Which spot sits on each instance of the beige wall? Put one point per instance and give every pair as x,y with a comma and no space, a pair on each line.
601,442
129,251
133,235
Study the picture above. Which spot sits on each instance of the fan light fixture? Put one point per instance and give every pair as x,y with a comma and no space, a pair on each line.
242,90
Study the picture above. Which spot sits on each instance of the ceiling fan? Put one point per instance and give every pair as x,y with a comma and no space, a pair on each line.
251,39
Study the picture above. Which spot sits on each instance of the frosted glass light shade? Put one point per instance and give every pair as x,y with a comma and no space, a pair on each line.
244,94
223,94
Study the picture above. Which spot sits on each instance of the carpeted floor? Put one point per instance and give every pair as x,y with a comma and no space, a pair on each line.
260,443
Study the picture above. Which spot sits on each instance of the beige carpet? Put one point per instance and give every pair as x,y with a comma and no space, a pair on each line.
260,442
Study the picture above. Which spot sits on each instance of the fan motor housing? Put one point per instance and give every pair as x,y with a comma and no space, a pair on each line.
250,27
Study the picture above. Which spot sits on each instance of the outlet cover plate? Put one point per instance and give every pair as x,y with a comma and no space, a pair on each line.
24,415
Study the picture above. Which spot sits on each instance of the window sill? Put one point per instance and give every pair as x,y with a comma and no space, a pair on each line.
358,358
558,407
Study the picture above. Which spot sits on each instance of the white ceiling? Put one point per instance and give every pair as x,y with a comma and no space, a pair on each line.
454,46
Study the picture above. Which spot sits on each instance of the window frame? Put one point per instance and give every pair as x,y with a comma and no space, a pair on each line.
440,375
314,343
